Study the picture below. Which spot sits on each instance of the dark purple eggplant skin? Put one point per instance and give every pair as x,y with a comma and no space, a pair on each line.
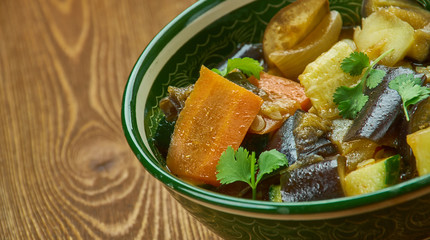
420,115
299,146
173,104
419,119
284,141
317,181
381,110
408,169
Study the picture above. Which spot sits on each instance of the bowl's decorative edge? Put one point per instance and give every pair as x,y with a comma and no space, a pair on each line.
283,211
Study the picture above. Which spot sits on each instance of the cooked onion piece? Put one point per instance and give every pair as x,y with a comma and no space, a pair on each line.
292,62
292,24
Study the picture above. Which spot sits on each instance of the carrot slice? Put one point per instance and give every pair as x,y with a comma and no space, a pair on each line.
217,114
287,94
279,87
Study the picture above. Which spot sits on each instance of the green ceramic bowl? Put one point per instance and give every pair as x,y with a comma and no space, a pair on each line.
204,34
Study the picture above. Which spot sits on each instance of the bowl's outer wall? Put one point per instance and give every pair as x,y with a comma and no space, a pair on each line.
209,47
409,220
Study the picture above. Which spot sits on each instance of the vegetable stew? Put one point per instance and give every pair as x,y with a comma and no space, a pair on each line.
311,112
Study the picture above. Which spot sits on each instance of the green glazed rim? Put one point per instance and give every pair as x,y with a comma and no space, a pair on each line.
132,117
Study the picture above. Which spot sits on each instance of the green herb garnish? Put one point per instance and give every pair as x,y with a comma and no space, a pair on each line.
241,166
351,100
355,63
375,78
410,90
248,66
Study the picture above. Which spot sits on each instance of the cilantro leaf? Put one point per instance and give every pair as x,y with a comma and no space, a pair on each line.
375,78
248,66
410,90
355,63
217,71
416,94
269,161
241,166
233,166
350,101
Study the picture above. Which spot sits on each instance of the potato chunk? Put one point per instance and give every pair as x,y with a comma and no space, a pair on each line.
412,13
417,18
420,48
409,11
419,143
323,76
382,31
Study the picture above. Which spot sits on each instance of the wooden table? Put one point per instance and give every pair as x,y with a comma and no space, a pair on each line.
66,170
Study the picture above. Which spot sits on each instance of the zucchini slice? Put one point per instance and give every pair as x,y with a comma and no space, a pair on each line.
275,193
373,177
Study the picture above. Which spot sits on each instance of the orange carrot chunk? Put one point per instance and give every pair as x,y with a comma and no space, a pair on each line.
279,87
287,94
217,114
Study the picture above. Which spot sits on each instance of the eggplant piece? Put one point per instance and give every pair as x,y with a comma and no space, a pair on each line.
420,116
284,140
255,142
381,110
408,169
355,151
175,101
251,50
420,119
317,181
303,138
382,120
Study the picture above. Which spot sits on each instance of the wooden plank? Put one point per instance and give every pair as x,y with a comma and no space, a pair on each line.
66,169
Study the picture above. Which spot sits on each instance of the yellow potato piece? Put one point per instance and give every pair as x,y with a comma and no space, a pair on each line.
370,6
412,13
421,46
382,31
417,18
323,76
419,142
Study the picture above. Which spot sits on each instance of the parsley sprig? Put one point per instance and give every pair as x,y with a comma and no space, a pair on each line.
248,66
410,90
241,166
351,100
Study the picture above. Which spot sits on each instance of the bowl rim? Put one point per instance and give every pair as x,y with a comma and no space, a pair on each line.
402,192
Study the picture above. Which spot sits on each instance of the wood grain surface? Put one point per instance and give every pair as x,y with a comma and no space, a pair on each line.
66,171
